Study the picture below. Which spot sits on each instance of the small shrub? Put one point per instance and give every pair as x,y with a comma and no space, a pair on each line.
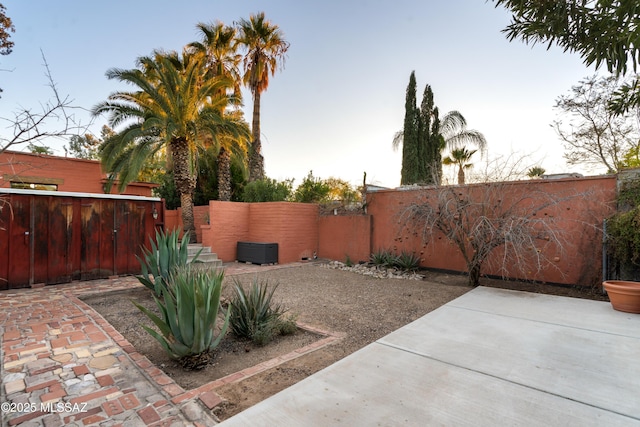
267,190
348,261
288,325
167,253
407,261
383,258
312,190
189,314
623,237
255,316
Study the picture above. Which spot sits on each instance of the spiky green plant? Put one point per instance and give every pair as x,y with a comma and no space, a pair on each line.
166,254
188,316
407,261
348,261
383,258
254,315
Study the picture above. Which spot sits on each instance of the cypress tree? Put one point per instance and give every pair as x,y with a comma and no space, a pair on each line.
422,142
431,141
410,146
435,145
424,132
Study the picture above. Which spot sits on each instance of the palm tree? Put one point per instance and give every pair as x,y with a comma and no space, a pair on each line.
216,181
174,108
460,157
265,52
453,128
229,148
218,48
536,172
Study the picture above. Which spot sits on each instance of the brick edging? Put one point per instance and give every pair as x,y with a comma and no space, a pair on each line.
206,392
329,338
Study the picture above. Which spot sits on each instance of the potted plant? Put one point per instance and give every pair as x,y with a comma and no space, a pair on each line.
623,246
624,295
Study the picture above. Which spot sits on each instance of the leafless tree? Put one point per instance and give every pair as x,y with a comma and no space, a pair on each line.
54,119
501,168
32,127
504,227
593,135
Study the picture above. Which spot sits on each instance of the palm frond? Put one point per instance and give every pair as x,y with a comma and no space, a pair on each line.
398,138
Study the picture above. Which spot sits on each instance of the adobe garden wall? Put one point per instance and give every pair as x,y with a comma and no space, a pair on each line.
293,226
301,232
67,173
297,228
341,237
583,205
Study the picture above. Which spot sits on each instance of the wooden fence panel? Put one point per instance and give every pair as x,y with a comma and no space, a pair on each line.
19,271
107,237
6,215
47,237
60,267
41,240
91,227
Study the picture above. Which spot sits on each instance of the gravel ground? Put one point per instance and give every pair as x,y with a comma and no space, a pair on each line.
362,307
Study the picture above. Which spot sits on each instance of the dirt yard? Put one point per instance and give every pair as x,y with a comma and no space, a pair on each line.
362,307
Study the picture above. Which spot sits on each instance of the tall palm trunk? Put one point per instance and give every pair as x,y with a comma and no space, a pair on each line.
460,174
256,161
224,175
185,183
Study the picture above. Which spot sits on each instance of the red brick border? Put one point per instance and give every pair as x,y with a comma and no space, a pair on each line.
206,393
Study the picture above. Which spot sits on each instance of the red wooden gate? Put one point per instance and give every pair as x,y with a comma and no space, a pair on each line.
54,237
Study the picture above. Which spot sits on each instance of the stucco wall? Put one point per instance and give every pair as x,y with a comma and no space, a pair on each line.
581,206
229,224
578,211
345,236
294,226
173,220
69,174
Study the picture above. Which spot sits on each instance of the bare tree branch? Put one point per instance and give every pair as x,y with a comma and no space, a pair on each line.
54,120
501,227
592,134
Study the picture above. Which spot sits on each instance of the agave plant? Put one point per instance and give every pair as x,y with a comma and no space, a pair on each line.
383,258
188,316
255,316
166,254
407,261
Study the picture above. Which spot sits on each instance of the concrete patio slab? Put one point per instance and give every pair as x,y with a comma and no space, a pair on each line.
491,357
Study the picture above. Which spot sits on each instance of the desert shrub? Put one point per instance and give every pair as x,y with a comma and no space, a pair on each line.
188,316
167,253
312,190
623,236
347,261
407,261
267,190
254,315
383,258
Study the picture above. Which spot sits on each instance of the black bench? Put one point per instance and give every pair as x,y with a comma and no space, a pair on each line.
257,253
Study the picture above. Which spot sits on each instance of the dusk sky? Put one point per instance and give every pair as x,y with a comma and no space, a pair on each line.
339,100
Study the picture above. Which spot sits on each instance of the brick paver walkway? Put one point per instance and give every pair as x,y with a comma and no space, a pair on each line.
64,365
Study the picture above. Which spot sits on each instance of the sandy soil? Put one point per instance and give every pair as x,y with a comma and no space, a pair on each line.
364,308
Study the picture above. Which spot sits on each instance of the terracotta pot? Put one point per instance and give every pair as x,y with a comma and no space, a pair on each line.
624,295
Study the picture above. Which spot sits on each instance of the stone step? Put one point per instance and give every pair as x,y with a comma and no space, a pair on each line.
206,258
193,248
209,264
